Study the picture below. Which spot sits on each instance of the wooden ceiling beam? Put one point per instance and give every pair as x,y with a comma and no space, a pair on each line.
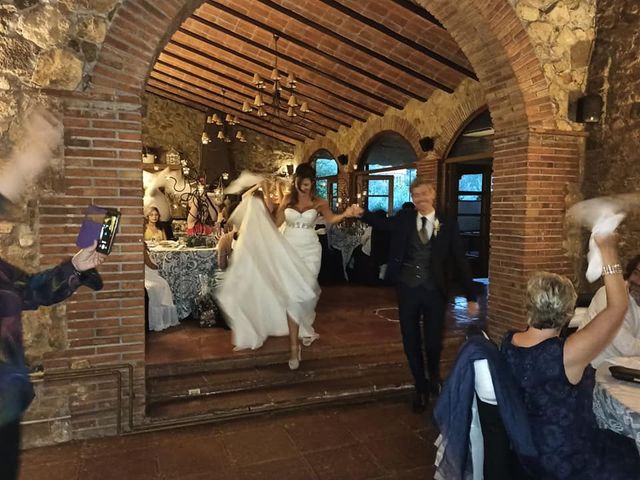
335,113
282,128
301,80
203,108
231,103
303,65
361,48
419,11
400,38
301,43
246,96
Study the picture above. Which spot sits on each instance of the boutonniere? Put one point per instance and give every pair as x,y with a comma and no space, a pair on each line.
436,227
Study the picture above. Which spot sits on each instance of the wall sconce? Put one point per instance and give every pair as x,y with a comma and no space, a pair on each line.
589,109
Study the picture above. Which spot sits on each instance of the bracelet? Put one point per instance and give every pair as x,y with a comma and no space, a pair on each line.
612,269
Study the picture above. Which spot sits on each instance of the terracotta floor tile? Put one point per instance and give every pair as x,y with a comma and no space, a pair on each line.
138,464
400,452
193,456
50,471
289,469
55,453
346,463
318,432
258,445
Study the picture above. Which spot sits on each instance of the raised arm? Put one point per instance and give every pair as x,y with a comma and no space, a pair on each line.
584,345
329,216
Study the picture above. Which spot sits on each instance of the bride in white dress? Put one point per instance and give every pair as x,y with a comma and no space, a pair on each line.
271,288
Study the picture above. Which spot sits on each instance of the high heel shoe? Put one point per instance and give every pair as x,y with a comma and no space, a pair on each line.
295,364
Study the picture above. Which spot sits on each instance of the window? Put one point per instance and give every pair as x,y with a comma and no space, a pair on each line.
390,155
470,203
402,179
326,167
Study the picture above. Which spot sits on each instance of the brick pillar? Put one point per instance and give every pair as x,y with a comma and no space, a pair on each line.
531,174
427,166
102,166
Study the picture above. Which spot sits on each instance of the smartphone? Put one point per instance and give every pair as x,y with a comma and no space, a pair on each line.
101,225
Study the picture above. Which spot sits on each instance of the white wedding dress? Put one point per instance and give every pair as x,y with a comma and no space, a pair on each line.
271,275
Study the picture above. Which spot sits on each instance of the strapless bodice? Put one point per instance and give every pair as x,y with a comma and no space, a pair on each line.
295,219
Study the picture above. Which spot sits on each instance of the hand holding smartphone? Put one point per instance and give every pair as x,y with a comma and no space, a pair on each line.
101,225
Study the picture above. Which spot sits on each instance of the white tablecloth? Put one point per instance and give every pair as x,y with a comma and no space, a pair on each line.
616,403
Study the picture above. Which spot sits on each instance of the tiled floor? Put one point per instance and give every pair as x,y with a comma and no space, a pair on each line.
373,441
347,316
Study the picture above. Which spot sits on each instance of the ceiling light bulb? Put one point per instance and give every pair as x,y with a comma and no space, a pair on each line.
246,107
275,74
291,80
228,118
258,102
220,135
293,101
304,107
261,112
291,112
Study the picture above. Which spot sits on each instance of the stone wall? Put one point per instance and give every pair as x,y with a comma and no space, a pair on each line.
260,154
433,118
562,33
612,163
167,124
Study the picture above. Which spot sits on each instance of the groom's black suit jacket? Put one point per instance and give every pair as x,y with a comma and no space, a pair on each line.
447,249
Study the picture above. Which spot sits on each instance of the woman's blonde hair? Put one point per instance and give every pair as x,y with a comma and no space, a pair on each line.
551,300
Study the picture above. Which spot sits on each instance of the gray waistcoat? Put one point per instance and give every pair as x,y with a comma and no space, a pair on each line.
415,269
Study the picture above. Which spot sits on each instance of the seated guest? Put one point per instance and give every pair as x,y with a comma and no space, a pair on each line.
161,311
153,229
627,342
557,380
202,215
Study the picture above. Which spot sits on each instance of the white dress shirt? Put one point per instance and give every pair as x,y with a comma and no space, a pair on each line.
626,343
431,218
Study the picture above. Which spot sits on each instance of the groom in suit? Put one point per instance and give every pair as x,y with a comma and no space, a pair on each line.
422,248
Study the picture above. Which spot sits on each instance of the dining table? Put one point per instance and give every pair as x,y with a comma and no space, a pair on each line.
187,270
616,403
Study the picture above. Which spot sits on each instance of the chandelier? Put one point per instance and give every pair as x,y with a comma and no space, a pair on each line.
227,127
274,110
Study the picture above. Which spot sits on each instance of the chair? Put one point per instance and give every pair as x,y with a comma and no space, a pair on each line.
490,444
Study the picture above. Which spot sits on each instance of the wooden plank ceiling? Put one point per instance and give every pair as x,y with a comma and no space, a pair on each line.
351,58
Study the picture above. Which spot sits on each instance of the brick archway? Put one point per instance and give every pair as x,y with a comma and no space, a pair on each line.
388,123
321,143
455,123
102,166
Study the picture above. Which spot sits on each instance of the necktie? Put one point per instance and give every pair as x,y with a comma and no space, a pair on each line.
422,233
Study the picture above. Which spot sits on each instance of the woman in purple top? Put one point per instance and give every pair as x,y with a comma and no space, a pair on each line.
21,291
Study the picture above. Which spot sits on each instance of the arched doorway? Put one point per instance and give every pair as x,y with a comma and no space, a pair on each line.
468,183
508,69
385,172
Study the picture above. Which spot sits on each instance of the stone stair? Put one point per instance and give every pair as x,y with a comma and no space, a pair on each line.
257,383
263,383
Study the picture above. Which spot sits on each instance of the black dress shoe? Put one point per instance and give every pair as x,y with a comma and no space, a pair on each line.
420,402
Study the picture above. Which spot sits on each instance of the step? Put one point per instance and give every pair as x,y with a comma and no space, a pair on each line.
315,369
389,382
250,359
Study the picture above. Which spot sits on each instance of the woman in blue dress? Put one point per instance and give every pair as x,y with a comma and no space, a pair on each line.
557,380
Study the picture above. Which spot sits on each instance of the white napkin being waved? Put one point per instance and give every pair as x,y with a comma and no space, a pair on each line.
601,215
